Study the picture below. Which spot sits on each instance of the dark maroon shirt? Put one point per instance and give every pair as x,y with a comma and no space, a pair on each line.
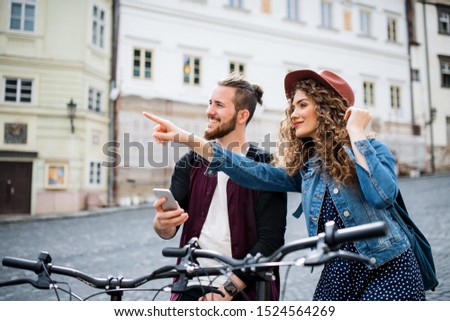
257,219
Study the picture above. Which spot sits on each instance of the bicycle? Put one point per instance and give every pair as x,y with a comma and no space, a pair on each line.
325,247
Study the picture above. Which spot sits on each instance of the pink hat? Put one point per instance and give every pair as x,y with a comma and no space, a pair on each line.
324,77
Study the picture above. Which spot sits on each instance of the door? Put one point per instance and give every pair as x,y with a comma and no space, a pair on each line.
15,187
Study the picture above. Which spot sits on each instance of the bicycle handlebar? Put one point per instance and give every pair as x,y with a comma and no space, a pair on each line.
199,253
111,282
357,233
23,264
331,238
326,243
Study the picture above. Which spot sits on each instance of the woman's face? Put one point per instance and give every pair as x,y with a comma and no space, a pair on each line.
303,116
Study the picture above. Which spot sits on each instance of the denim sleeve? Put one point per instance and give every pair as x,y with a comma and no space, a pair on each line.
379,184
249,173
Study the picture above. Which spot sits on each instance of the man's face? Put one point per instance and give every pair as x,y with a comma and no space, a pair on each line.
222,115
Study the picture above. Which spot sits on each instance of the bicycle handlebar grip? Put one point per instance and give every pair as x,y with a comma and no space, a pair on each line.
174,252
22,264
360,232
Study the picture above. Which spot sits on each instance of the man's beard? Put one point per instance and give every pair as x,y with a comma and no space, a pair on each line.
222,130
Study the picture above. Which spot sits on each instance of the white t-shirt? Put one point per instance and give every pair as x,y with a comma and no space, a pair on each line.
215,234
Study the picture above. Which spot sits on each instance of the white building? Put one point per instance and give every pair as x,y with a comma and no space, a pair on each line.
52,53
430,63
171,54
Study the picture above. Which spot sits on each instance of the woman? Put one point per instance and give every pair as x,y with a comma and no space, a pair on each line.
343,176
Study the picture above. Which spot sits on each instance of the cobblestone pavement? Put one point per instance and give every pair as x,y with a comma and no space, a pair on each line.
122,242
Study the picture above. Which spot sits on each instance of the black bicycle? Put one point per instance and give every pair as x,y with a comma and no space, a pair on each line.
325,247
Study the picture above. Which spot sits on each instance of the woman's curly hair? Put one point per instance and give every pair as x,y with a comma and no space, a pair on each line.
331,135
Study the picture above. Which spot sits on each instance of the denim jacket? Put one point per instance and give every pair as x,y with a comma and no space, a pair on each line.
369,201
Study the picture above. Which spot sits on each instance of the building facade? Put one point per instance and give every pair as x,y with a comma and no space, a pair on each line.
103,62
172,53
430,78
55,58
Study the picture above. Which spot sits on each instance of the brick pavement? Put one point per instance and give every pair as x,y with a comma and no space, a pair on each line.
121,242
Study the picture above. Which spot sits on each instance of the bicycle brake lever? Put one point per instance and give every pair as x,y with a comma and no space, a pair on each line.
20,281
180,285
354,257
320,258
205,289
317,258
193,242
215,290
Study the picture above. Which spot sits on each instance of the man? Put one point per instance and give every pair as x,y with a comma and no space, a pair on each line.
224,216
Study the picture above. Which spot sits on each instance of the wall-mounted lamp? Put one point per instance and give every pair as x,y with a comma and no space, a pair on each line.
71,108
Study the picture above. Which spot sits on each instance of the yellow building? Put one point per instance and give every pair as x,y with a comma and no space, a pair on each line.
55,56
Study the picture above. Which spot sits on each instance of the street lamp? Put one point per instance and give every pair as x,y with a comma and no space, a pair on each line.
71,108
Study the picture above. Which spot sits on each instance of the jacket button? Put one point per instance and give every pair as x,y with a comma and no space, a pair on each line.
335,191
346,213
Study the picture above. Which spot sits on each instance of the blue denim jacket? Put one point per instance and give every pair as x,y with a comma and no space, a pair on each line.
369,201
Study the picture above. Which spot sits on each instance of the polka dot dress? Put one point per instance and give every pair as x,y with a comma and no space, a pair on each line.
344,280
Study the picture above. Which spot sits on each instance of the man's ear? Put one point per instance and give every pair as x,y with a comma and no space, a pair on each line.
243,116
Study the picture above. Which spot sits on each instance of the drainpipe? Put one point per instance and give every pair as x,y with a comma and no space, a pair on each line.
430,108
112,171
411,24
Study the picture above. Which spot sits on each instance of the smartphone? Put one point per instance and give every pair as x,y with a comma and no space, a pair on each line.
171,204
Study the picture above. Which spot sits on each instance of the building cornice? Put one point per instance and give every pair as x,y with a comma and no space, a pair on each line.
43,63
260,30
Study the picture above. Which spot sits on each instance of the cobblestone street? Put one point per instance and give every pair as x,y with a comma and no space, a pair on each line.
122,242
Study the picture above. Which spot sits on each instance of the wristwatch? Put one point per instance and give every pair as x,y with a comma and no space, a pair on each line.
230,288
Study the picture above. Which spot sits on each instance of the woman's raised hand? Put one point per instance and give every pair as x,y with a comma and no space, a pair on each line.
357,119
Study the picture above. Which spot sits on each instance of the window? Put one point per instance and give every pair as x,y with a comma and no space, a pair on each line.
95,100
142,63
237,66
326,9
98,27
191,70
22,15
292,10
444,19
369,93
415,75
365,23
95,173
395,97
18,90
238,4
392,30
445,70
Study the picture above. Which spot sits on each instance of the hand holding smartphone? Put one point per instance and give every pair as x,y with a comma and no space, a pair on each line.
170,204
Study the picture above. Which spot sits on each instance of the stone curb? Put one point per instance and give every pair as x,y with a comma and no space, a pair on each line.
58,216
